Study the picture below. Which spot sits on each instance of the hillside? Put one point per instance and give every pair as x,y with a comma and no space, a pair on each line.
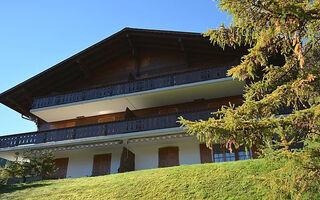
230,180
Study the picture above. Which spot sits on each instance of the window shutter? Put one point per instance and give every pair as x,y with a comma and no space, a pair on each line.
205,154
62,166
168,156
101,164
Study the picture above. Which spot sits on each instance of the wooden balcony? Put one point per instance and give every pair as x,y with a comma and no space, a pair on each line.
103,129
131,87
140,94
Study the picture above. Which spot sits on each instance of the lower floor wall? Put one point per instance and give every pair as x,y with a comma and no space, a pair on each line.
80,162
147,155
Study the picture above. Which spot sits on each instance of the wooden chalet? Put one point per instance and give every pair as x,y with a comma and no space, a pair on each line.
113,107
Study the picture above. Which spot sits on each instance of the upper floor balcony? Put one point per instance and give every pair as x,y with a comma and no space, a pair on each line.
117,130
145,93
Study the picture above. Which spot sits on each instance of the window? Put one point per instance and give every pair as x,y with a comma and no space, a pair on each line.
244,154
219,153
168,157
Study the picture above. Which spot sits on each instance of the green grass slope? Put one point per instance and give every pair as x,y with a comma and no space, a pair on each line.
230,180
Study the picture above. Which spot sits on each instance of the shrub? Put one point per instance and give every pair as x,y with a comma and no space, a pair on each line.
3,177
31,164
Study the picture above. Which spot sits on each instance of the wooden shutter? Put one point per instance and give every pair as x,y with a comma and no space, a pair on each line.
254,150
127,161
101,164
62,166
205,154
168,156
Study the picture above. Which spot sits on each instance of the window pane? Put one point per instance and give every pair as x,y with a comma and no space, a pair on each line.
230,157
243,155
218,157
218,153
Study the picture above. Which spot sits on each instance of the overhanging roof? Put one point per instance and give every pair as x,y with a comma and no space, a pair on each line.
20,97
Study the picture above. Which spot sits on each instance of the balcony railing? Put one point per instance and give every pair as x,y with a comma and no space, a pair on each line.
131,87
103,129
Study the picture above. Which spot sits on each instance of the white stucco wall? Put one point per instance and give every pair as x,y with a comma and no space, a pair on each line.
146,154
81,161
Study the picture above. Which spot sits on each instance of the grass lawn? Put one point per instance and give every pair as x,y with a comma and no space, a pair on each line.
229,180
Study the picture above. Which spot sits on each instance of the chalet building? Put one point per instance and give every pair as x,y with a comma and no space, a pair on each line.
113,107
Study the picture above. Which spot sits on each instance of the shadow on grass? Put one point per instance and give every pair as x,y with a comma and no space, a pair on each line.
12,188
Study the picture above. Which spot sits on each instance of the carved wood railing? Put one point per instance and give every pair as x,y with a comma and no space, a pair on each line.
103,129
131,87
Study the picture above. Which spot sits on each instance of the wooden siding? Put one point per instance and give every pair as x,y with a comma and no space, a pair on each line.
146,63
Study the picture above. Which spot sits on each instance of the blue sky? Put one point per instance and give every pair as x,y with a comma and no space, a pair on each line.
34,35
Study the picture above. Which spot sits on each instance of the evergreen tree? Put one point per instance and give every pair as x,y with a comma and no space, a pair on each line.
281,70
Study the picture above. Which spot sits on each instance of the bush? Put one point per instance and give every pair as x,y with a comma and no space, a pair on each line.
3,177
31,164
41,164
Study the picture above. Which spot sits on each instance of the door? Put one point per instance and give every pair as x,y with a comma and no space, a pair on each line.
62,166
101,164
168,157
